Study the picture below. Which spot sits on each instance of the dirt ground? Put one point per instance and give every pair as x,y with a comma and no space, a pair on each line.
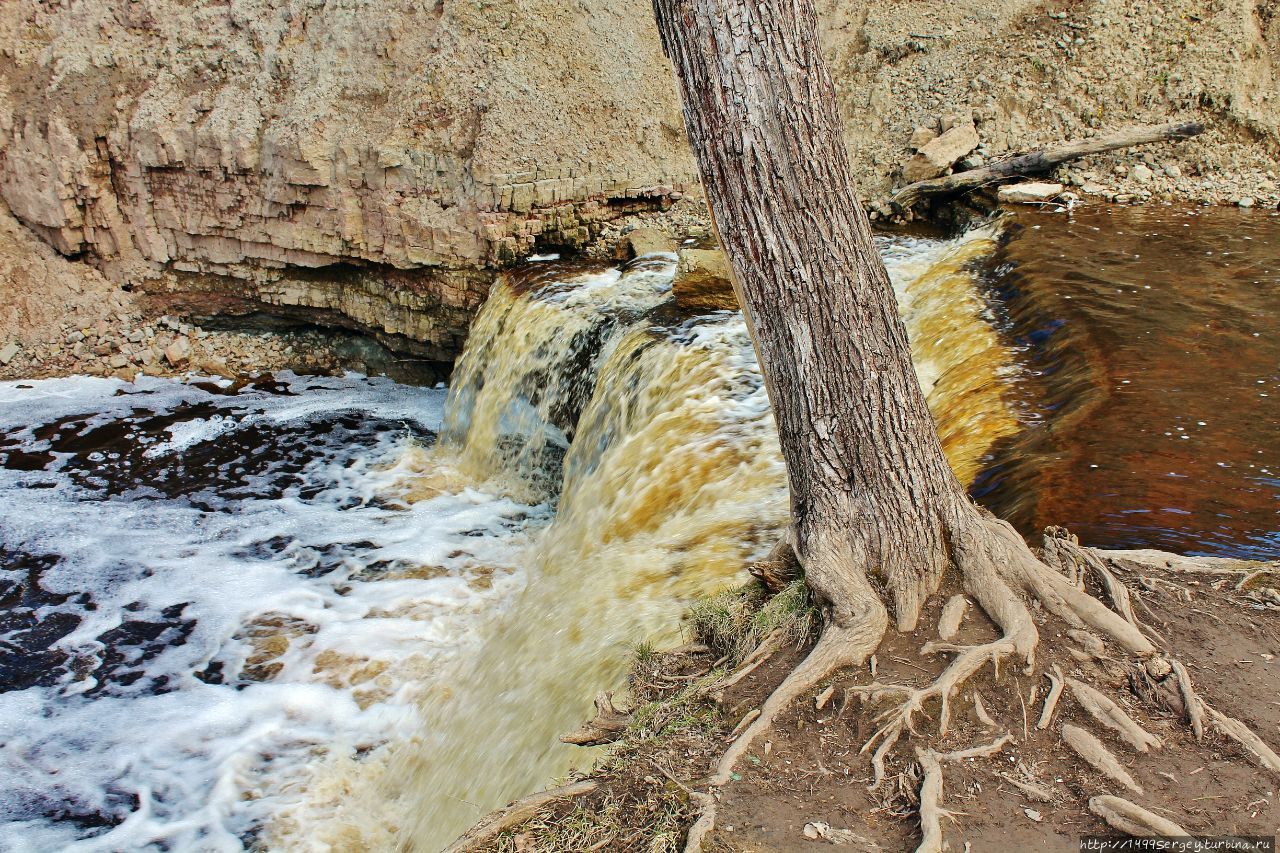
809,770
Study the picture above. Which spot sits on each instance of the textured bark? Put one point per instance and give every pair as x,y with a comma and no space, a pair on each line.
872,494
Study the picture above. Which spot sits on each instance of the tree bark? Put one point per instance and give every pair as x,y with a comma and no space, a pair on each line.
872,494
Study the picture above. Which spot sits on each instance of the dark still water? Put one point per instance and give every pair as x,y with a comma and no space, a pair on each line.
1152,381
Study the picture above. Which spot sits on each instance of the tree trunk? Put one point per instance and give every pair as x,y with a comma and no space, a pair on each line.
872,494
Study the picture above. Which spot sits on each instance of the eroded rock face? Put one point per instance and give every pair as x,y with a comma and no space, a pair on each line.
257,144
253,140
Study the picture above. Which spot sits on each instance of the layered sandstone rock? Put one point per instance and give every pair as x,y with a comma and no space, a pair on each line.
240,147
298,154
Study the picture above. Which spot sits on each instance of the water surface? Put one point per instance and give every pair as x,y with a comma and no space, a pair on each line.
1150,381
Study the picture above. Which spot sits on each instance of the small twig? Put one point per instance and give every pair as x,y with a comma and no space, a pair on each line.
1026,734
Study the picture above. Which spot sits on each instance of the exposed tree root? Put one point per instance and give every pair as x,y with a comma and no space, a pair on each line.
608,725
952,616
1190,699
998,570
1097,756
1245,736
1032,790
1133,819
980,711
517,813
762,653
1064,548
1113,716
931,811
835,649
1057,682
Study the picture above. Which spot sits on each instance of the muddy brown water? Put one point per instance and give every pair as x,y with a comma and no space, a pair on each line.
1149,379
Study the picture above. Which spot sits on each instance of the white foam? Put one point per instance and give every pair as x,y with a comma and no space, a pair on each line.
202,764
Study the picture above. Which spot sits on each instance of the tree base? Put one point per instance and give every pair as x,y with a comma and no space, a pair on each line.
1064,698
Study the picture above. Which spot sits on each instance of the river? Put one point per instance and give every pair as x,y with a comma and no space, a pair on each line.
311,611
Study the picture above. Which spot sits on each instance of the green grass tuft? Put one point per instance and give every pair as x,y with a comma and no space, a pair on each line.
734,622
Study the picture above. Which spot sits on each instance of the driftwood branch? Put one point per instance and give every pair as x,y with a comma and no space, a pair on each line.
609,725
1041,160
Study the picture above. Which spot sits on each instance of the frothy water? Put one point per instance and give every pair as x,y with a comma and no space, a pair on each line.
211,596
281,616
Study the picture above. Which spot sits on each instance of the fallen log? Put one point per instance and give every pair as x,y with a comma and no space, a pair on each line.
1040,160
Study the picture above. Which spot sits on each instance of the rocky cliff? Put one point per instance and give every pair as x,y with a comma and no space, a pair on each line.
366,162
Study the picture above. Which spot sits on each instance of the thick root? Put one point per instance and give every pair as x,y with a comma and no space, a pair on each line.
1243,735
1113,717
1065,600
981,567
703,825
517,813
1132,819
1098,756
607,727
952,616
1063,547
836,649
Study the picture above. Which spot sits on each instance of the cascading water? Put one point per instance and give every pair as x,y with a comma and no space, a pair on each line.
670,480
603,459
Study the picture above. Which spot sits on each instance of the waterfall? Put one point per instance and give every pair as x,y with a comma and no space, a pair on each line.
585,390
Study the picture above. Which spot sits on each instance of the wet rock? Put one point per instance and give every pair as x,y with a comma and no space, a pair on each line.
7,354
643,241
942,153
178,352
1029,193
1247,201
702,281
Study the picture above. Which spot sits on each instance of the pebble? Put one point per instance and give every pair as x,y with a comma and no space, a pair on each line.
1247,201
